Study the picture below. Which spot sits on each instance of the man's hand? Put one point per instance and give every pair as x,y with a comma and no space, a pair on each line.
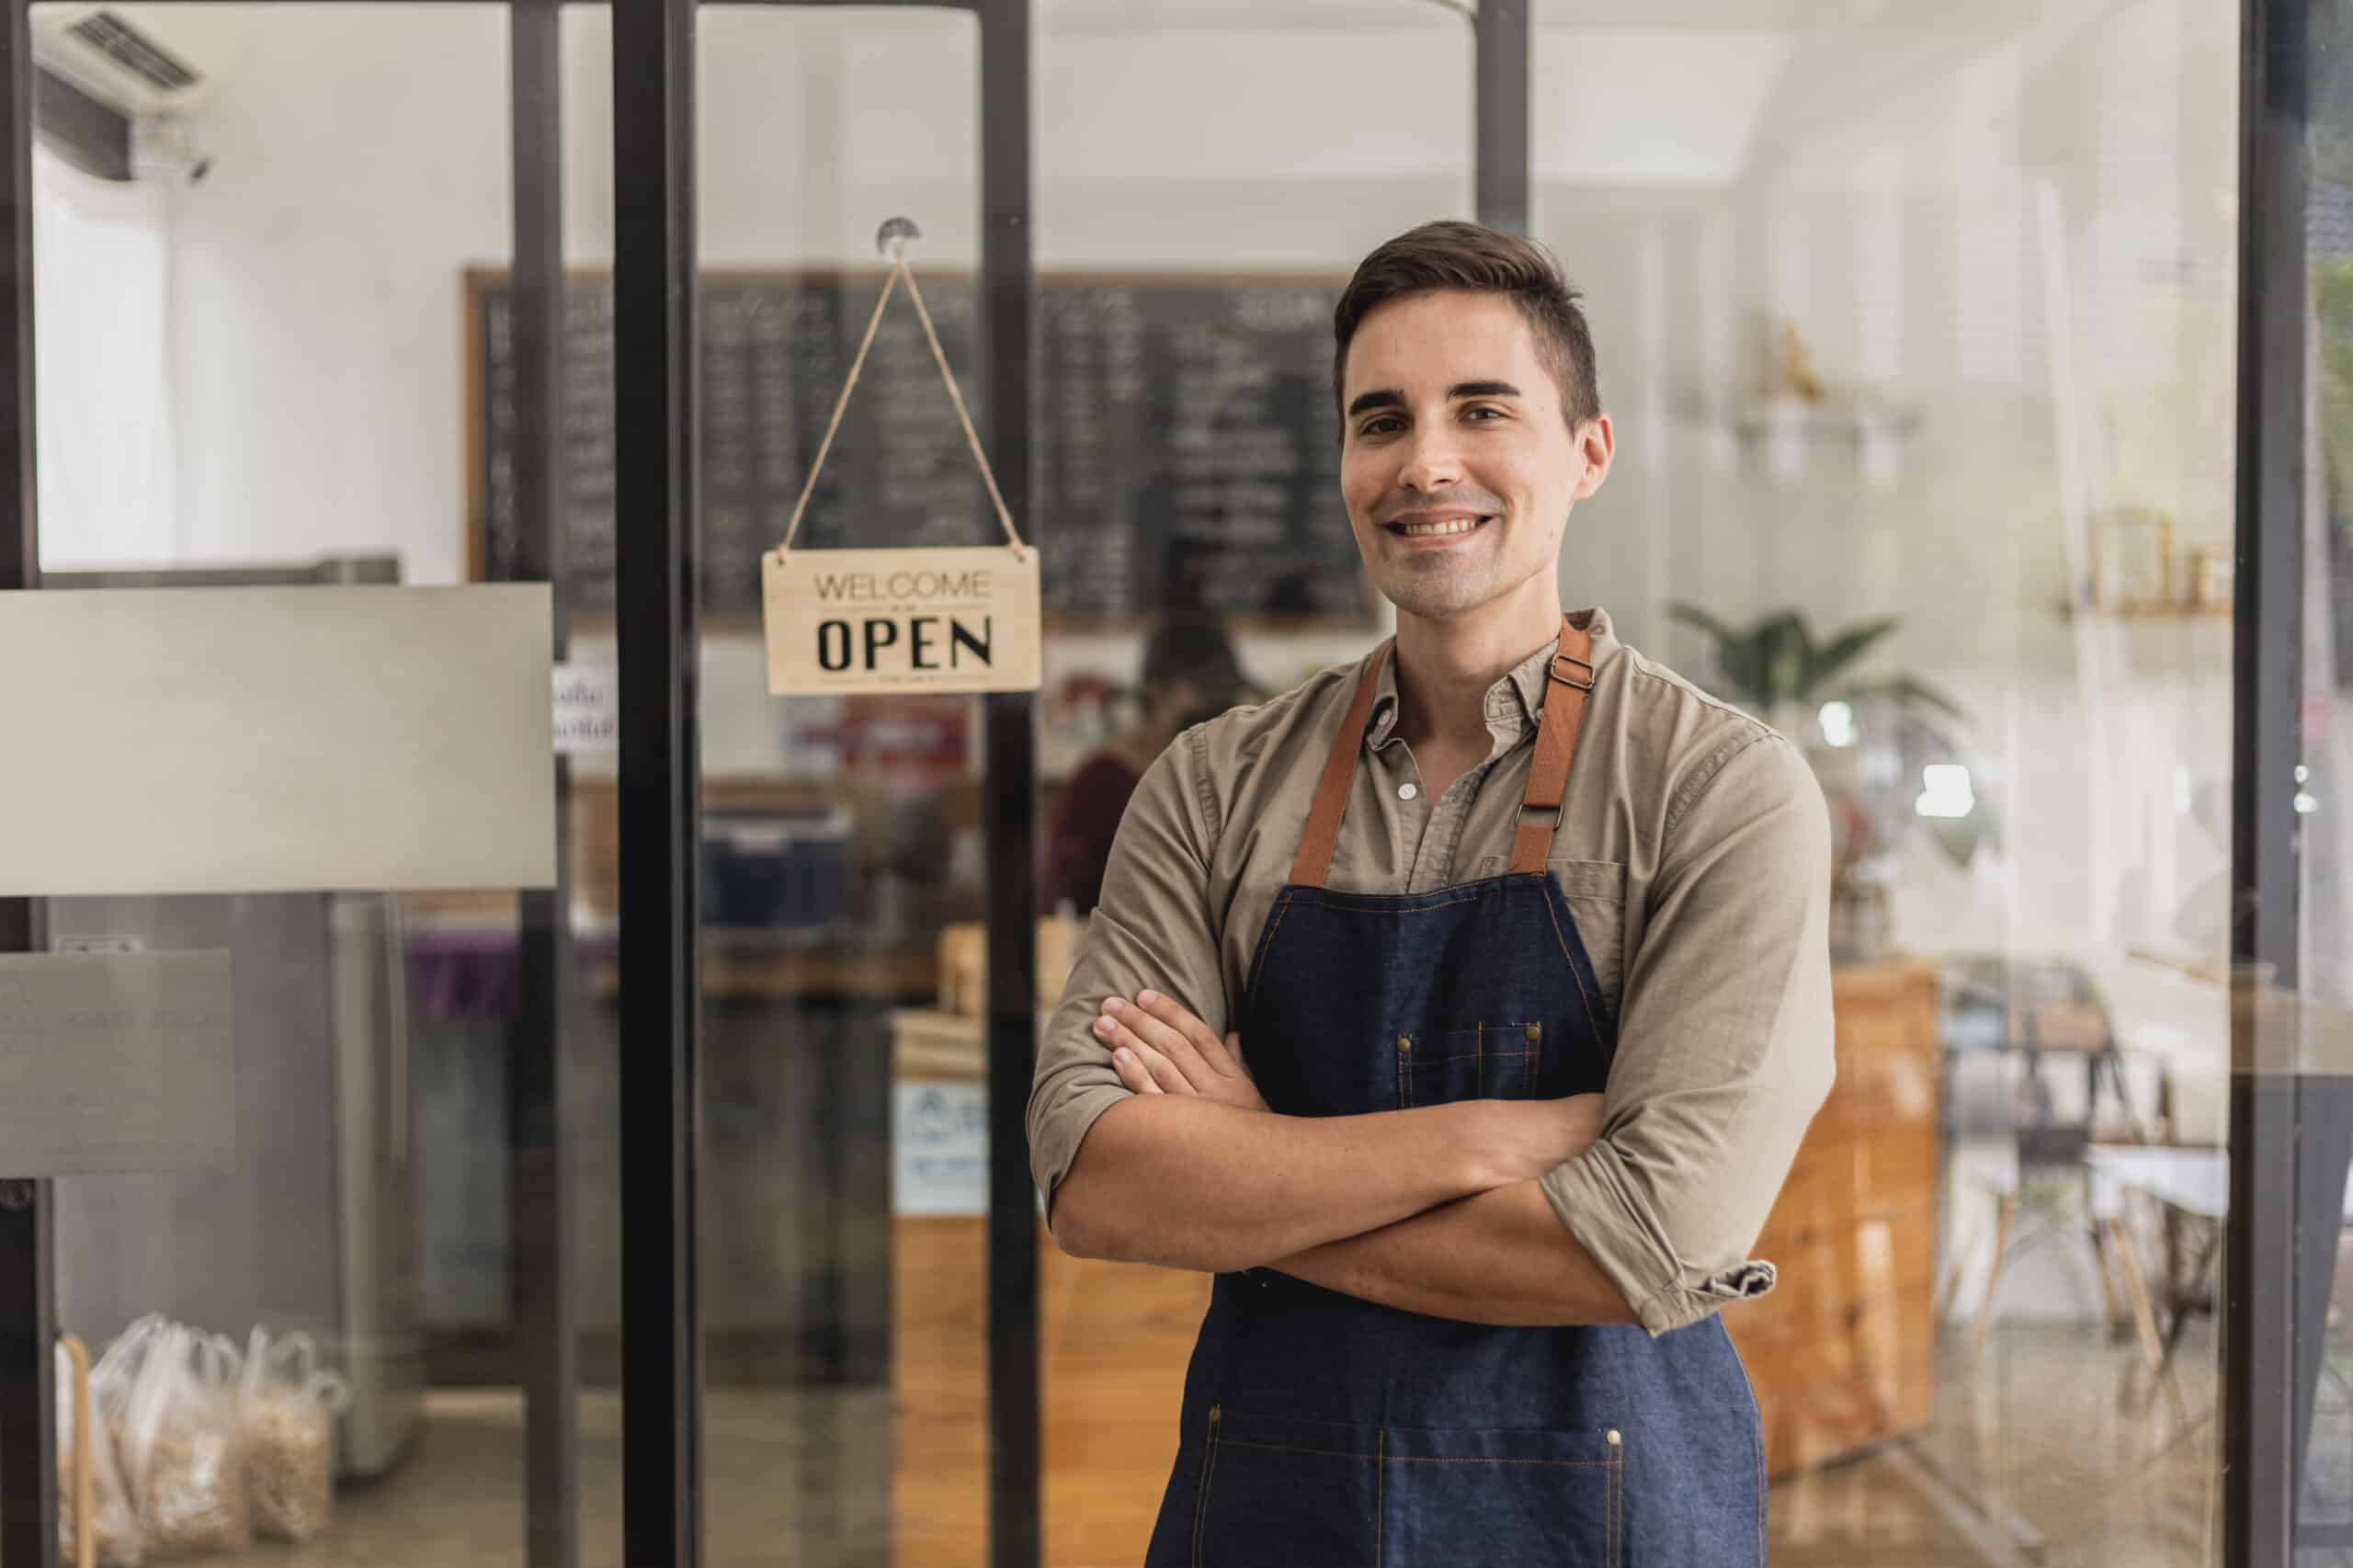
1159,1048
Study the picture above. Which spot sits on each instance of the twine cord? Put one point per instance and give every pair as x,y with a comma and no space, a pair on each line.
901,273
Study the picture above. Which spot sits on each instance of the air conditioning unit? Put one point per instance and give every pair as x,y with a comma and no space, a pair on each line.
114,99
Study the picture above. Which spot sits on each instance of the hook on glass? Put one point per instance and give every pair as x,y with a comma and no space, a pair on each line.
894,237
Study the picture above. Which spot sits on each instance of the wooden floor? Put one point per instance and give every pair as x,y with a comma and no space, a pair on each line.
2049,1455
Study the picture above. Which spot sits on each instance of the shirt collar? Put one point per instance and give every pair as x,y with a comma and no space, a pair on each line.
1514,704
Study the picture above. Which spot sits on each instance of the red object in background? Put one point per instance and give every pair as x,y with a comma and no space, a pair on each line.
900,734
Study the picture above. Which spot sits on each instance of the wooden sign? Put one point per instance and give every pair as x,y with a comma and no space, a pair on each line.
859,621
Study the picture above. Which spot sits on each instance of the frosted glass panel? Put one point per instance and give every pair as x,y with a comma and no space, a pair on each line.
260,740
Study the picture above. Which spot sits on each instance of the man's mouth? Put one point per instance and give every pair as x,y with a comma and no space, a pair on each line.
1440,528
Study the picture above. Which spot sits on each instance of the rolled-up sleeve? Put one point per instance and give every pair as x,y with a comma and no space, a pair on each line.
1725,1043
1151,928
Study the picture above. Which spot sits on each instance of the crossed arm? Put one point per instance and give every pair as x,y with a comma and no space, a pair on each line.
1434,1209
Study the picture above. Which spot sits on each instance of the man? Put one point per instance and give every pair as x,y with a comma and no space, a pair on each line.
1462,1010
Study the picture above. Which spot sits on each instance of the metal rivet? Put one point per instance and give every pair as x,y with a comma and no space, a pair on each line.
1614,1440
1535,1033
1404,1043
1407,792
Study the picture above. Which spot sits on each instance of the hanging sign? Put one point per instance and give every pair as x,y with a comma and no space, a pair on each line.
886,621
858,621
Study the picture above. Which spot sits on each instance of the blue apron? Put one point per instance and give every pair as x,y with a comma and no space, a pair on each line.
1322,1431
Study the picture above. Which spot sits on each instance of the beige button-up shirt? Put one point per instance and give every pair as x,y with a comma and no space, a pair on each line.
1693,848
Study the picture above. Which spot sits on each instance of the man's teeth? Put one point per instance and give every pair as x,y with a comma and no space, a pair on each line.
1424,531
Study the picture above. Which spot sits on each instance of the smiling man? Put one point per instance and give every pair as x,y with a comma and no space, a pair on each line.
1460,1009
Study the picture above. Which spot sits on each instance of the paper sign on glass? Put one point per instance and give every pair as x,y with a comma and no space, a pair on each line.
117,1061
849,622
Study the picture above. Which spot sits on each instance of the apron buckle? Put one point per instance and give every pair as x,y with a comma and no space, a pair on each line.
1564,663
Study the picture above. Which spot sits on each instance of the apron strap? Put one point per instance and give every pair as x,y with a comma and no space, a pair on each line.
1571,675
1313,862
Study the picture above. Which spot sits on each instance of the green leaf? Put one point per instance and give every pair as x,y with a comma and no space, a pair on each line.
1738,667
1783,651
1907,692
1852,643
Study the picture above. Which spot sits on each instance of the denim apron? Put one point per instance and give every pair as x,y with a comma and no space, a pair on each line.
1322,1431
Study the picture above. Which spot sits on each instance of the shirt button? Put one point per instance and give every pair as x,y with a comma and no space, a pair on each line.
1407,792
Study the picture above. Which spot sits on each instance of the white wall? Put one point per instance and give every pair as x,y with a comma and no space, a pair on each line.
102,376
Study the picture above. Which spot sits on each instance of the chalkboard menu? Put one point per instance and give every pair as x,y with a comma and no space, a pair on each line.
1189,450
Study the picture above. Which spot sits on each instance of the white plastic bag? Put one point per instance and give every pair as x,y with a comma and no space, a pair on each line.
183,1445
288,1407
114,1527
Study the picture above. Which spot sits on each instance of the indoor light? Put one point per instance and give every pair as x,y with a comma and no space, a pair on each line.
1945,791
1837,719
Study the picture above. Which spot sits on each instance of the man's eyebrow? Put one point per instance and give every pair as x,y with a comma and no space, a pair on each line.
1386,397
1482,388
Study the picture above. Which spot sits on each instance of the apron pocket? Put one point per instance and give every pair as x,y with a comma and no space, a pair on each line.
1488,1061
1279,1493
1459,1495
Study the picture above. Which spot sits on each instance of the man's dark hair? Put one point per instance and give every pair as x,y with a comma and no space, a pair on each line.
1455,255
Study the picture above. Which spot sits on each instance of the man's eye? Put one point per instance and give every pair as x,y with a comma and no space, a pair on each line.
1482,412
1381,426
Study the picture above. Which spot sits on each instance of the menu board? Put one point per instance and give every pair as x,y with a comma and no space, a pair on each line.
1187,447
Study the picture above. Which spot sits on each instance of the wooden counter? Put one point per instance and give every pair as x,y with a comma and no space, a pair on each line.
1842,1353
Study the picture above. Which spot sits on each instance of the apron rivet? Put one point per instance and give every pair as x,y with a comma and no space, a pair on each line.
1404,1043
1614,1440
1535,1033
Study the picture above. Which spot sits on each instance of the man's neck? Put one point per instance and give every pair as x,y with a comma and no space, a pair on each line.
1445,666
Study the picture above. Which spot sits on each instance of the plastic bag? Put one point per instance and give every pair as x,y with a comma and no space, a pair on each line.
288,1407
182,1446
114,1527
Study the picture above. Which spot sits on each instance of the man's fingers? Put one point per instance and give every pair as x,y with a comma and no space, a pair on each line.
1131,1073
1168,1040
1176,1017
1233,1049
1118,1036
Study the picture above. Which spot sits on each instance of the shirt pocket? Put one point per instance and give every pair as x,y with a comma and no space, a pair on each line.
1596,891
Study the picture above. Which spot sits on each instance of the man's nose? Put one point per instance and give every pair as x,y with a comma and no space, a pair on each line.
1433,461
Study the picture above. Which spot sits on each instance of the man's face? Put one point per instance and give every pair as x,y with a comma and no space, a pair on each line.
1458,465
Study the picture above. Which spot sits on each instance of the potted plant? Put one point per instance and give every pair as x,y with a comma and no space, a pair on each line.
1881,745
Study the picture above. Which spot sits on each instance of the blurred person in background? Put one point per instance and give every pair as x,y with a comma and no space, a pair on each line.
1190,674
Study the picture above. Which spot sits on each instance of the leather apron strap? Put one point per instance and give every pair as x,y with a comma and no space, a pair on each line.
1571,677
1313,861
1571,682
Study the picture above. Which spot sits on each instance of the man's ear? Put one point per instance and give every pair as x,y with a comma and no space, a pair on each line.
1598,443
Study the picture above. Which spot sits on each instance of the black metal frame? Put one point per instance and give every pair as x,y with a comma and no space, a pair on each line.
660,832
1499,98
539,1279
27,1234
2290,1127
2258,1313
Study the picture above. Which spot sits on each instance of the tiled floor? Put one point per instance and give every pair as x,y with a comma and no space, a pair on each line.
2051,1454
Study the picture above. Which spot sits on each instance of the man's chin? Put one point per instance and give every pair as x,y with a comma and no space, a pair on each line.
1431,601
